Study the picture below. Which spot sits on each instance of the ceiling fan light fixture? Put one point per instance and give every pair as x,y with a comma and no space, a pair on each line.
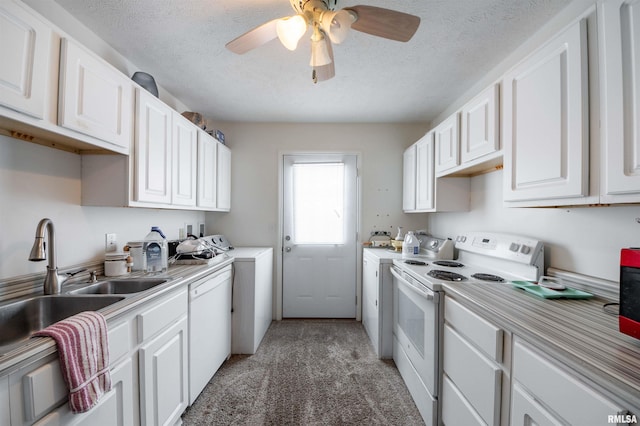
336,24
290,30
319,53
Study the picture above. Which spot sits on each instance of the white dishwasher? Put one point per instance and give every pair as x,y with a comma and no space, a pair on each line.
209,328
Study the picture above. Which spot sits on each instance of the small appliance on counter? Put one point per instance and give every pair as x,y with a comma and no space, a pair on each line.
201,250
629,318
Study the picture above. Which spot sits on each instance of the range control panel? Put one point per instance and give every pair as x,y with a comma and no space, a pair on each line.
503,246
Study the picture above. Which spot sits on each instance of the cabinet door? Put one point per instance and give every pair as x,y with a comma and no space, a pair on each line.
545,121
152,149
163,376
619,31
525,410
118,407
409,179
207,167
554,387
370,316
95,99
424,174
447,144
5,413
185,161
480,134
223,183
25,52
476,377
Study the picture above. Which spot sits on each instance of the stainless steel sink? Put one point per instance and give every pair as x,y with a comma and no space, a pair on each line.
18,320
122,286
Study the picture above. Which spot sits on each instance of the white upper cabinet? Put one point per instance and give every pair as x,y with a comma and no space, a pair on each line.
207,167
421,190
185,161
409,179
95,98
25,66
223,178
480,121
153,167
619,35
545,122
424,173
447,144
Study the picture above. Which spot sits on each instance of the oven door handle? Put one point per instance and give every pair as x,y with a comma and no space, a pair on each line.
425,292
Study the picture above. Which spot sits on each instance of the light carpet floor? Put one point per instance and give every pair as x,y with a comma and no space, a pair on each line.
307,372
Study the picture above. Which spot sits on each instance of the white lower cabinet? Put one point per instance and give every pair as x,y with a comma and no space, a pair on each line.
547,393
473,368
38,392
5,413
377,302
163,360
116,407
163,376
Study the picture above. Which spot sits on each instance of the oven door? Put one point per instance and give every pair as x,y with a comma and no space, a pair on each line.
416,324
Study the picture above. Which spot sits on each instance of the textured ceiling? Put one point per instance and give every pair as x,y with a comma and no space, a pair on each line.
182,44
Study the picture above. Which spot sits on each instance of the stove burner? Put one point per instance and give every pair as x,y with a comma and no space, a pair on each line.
488,277
415,262
449,263
446,275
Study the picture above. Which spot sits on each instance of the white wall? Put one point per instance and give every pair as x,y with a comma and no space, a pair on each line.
586,240
38,182
254,182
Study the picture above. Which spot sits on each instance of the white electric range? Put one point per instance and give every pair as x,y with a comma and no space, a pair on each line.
418,309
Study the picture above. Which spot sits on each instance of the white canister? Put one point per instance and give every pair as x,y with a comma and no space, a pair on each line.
135,248
115,264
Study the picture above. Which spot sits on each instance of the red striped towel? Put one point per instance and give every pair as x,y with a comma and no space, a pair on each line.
84,357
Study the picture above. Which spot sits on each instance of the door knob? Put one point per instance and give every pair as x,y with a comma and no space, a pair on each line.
288,237
288,249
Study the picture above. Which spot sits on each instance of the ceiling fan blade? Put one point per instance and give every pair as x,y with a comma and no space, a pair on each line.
325,72
254,38
385,23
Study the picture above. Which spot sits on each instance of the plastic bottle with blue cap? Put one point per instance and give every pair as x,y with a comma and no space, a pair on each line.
155,251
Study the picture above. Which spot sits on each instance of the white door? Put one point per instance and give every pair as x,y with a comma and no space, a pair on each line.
319,242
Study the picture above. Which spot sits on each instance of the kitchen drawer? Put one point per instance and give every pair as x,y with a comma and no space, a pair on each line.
121,339
43,389
486,336
477,377
456,410
557,390
161,315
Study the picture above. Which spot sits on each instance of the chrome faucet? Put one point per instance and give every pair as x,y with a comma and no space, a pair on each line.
53,281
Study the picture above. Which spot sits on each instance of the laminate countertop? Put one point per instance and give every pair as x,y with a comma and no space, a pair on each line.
578,333
177,275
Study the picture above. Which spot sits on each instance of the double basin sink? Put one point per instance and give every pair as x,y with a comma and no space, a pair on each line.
20,319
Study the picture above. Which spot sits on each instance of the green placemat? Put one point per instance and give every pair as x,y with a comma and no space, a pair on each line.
547,293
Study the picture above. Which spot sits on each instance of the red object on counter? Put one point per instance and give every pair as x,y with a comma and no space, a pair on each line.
629,318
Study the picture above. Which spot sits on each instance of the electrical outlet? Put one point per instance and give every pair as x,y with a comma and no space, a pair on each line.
110,243
201,230
189,229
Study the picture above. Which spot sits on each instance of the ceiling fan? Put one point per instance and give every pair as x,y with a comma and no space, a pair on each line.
328,26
